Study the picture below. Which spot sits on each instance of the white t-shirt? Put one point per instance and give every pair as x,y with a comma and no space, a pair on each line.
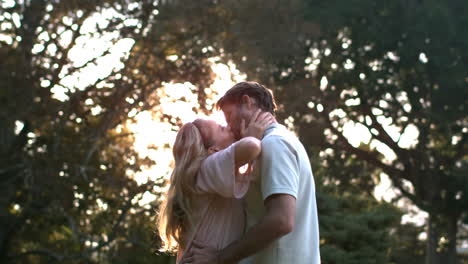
285,169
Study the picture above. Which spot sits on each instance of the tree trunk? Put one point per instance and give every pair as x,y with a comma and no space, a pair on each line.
437,250
432,257
452,257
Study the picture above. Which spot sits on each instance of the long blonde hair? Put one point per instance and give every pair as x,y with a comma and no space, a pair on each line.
176,216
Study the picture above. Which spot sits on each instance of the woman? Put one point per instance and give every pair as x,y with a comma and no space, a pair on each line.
203,202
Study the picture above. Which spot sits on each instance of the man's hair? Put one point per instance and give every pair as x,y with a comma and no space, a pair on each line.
262,95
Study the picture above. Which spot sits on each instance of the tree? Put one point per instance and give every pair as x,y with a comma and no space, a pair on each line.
274,43
233,36
354,226
395,69
67,160
407,248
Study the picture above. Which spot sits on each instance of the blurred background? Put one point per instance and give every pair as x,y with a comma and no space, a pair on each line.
92,93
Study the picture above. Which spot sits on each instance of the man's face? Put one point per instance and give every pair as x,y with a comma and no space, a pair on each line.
234,113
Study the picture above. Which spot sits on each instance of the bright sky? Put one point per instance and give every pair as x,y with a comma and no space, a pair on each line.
151,133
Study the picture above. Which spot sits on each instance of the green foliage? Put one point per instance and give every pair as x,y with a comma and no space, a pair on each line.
355,229
390,67
407,248
66,169
67,161
354,226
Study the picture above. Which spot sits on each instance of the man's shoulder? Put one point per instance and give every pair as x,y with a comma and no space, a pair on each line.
281,138
280,133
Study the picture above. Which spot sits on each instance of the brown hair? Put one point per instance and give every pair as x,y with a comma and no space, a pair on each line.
262,95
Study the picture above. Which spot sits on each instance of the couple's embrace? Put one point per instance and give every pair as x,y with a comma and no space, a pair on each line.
265,213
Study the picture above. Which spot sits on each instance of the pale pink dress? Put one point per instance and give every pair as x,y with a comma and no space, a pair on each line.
219,211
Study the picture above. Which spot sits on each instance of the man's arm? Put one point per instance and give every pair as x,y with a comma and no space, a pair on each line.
280,183
277,222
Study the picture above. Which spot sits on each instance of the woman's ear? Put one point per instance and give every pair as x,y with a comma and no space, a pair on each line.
213,149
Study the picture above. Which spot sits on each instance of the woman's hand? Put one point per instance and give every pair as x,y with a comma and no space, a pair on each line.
200,254
257,125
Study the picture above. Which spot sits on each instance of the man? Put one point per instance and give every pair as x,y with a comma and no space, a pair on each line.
281,207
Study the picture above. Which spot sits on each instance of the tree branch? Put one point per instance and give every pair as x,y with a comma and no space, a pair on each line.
383,136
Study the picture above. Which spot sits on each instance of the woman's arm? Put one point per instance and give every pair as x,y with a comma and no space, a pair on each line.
249,147
246,150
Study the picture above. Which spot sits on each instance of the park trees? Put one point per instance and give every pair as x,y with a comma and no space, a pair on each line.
67,159
395,71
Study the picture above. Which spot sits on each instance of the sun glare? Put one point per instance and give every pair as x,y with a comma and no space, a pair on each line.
154,138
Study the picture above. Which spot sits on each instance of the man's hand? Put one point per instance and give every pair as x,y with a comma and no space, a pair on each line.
200,254
278,221
257,125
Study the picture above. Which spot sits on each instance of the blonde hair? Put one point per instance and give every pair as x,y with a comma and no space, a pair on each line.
176,216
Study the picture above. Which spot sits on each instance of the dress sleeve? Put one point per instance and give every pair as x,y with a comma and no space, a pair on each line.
279,167
217,175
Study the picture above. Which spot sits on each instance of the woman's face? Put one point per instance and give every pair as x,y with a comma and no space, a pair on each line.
222,136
